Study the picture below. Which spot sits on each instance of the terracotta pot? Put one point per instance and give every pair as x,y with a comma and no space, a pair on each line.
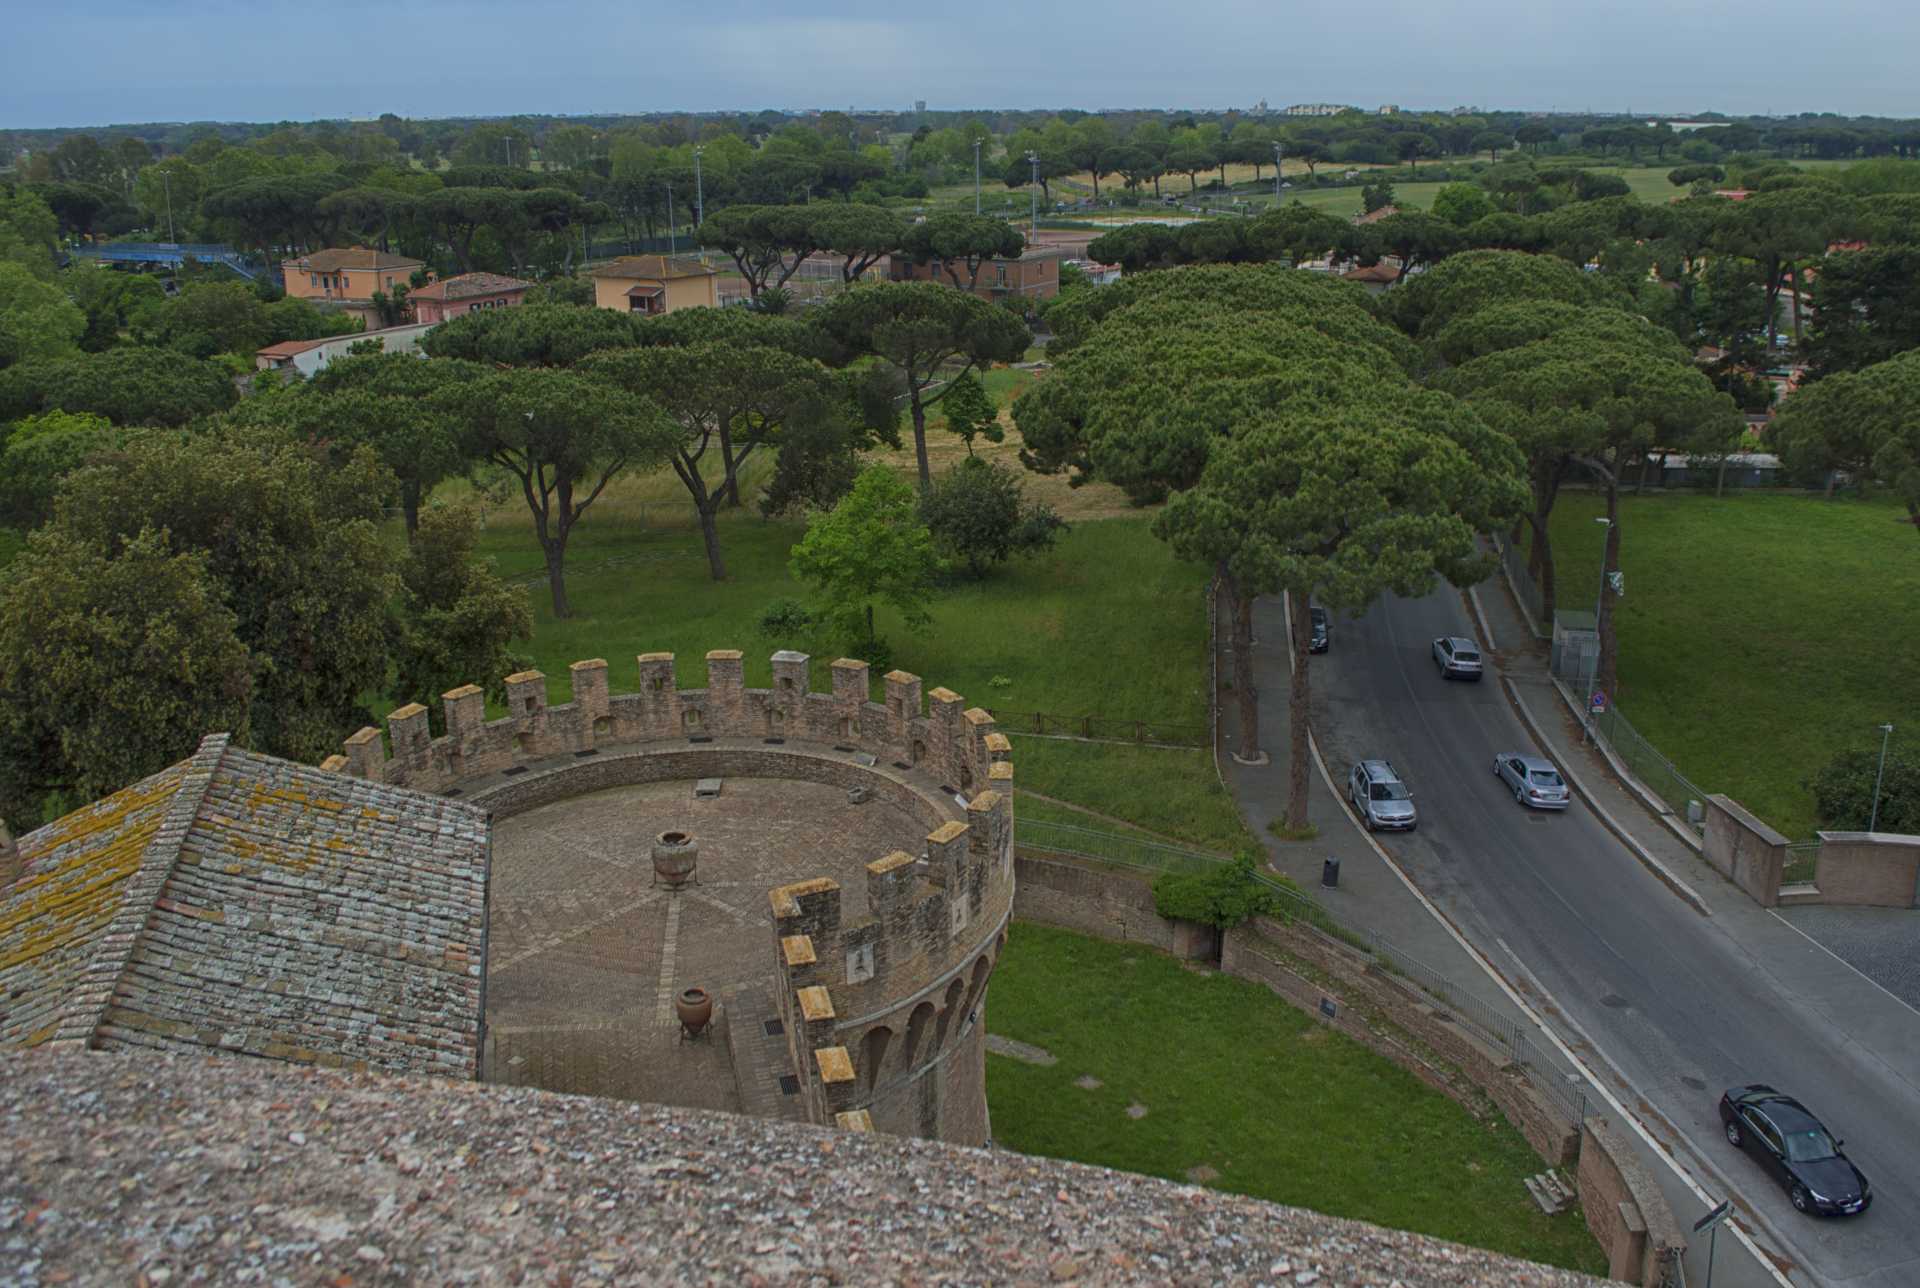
674,858
694,1006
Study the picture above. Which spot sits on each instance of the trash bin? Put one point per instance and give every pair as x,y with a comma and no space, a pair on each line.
1330,872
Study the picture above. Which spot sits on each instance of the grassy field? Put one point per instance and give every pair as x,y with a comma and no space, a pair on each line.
1759,635
1279,1106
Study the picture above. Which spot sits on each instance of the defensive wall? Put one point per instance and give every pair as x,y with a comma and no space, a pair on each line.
883,1012
1343,989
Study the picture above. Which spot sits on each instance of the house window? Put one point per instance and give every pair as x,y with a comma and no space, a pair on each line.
1000,272
313,279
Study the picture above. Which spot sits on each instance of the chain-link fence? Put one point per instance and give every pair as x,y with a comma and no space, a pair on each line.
1685,797
1803,860
1295,904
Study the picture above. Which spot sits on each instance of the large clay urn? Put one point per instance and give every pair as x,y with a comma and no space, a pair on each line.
674,858
694,1006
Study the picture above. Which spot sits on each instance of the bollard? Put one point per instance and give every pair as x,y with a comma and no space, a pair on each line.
1330,873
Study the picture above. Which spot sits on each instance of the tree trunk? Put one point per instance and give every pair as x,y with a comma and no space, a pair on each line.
1794,272
729,486
1607,671
1243,686
920,441
410,507
710,533
1543,569
1156,187
1298,700
556,551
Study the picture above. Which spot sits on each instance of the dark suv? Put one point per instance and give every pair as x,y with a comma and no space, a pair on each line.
1321,628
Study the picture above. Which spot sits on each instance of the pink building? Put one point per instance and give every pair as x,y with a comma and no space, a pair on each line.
467,293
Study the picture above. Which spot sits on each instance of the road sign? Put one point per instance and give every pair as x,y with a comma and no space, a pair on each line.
1598,702
1715,1217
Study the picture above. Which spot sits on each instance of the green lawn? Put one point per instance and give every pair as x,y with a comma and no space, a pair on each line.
1280,1106
1759,634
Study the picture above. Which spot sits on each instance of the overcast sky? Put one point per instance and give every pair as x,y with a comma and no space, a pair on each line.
266,60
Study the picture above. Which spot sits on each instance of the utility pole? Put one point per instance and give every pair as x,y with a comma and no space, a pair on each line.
672,246
976,175
166,184
699,191
1886,734
1033,160
1277,157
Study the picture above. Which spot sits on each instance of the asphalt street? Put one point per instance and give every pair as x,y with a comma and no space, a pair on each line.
1669,999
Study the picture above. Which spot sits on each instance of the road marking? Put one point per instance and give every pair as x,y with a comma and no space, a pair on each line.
1567,1053
1843,961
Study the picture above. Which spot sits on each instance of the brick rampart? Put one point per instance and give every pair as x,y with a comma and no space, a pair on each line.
883,1012
1869,869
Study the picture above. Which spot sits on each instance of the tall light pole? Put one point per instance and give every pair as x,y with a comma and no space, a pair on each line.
1277,156
1033,160
1886,734
976,175
699,191
1599,601
166,184
673,247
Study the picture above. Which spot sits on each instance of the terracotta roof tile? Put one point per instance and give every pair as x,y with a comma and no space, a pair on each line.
355,257
468,284
656,267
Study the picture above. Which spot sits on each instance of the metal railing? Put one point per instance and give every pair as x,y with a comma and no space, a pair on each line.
1659,774
1145,855
1803,860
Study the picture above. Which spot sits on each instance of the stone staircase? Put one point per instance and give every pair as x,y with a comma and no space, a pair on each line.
1551,1191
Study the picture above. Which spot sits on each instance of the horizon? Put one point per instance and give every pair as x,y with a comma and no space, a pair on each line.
164,62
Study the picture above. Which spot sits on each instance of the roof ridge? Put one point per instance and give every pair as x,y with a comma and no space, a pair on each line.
85,1009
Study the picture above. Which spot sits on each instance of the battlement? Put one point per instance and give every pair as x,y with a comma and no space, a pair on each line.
958,748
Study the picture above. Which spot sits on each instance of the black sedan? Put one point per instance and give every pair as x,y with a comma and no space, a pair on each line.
1795,1149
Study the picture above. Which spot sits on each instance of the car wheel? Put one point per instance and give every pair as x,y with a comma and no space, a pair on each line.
1734,1138
1800,1199
1519,797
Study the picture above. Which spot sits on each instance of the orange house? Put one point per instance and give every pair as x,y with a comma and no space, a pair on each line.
351,275
467,293
1035,274
654,284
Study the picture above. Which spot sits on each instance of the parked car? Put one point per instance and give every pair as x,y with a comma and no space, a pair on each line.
1457,657
1795,1149
1322,630
1534,780
1380,798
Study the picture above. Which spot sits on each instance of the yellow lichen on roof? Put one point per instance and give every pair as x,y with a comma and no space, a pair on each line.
74,870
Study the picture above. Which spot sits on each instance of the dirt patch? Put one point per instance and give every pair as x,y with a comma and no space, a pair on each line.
1136,1111
1202,1175
1087,1082
1025,1052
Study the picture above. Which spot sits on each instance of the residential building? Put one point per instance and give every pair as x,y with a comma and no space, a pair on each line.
1319,109
350,275
1035,273
467,293
654,284
304,357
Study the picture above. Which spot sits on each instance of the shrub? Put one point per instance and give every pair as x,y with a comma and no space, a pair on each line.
785,619
1843,792
978,515
1222,898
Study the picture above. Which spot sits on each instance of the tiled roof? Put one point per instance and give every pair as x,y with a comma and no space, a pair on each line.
357,257
655,267
288,348
466,284
255,905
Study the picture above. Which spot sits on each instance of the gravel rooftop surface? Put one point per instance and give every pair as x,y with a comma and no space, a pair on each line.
150,1169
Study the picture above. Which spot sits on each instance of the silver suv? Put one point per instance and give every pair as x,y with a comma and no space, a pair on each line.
1457,657
1379,797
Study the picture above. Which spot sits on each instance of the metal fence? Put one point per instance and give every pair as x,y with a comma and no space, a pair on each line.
1685,797
1296,905
1513,556
1102,728
1803,860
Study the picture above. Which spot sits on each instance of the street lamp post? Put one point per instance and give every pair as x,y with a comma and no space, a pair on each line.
976,175
673,247
1033,161
1886,735
1599,601
1277,156
699,191
166,183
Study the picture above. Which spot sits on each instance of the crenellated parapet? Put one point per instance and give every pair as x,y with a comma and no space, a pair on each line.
938,735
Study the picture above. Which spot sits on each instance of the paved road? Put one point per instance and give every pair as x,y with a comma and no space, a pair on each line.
1667,996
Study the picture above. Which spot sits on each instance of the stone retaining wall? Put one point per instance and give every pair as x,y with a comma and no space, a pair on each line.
1744,850
1624,1208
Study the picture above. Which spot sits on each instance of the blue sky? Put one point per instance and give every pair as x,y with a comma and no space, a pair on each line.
275,60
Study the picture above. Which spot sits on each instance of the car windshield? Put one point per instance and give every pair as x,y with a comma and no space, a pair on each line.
1389,792
1809,1146
1544,778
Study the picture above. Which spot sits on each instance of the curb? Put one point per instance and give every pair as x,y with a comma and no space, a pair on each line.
1659,808
1480,616
1647,860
